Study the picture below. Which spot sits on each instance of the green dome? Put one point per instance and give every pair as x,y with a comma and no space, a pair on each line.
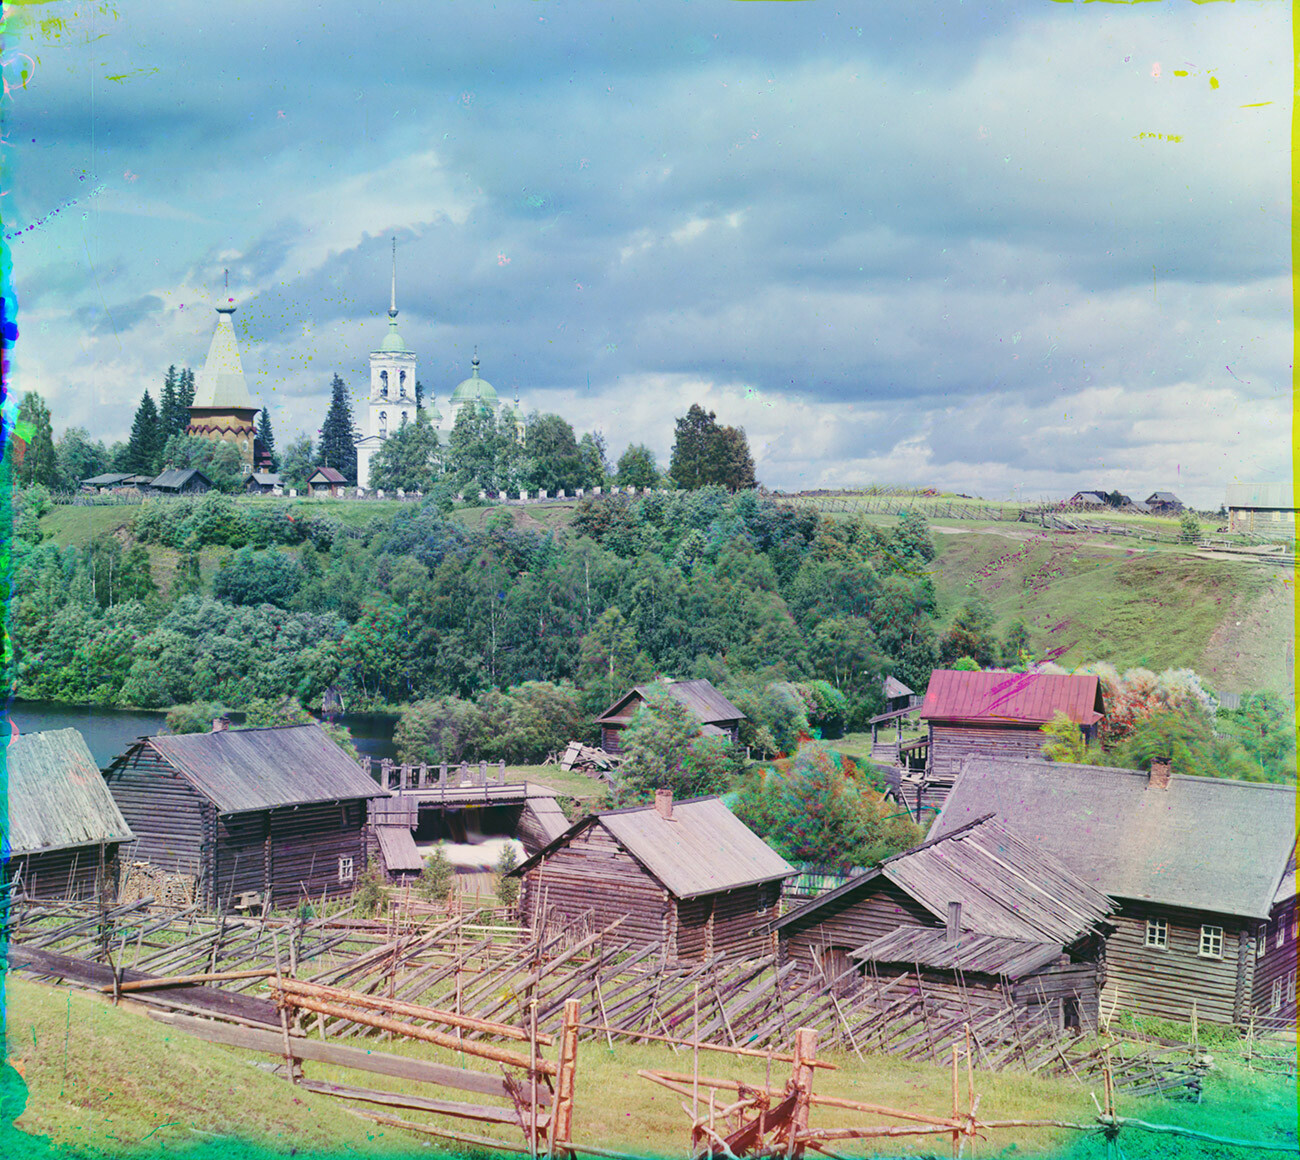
432,413
475,390
392,340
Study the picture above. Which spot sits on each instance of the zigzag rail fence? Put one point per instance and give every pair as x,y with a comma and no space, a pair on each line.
504,994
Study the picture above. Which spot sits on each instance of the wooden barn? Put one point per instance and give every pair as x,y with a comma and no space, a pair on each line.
264,483
178,481
326,481
255,815
718,715
995,714
688,874
1273,996
1192,863
64,829
978,913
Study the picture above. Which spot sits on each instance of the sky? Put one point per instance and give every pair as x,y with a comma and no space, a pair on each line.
1007,250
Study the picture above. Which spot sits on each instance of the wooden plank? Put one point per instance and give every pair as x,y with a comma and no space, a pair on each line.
359,1059
455,1108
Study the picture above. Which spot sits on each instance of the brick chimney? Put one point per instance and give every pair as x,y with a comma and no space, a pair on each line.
664,803
1161,768
953,929
220,724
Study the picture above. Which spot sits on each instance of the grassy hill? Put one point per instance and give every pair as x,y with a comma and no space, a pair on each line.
1084,596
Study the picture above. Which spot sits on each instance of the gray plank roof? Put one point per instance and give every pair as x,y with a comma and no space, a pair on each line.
259,769
1204,843
398,849
702,849
57,796
107,479
178,477
1007,887
266,478
979,953
700,697
895,688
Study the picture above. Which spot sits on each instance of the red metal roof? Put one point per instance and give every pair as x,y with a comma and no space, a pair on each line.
1011,697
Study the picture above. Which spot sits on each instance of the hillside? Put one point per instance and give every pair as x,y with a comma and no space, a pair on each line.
1084,596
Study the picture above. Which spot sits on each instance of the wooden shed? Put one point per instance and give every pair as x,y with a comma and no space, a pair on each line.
178,481
978,913
996,714
1273,997
274,814
263,483
326,481
688,874
1192,863
64,830
718,715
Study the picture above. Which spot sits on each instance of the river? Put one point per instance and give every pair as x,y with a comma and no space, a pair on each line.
108,732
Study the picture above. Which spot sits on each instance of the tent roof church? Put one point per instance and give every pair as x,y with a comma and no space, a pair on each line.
222,408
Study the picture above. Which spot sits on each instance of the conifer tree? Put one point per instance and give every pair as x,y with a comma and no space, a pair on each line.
267,438
172,417
38,464
338,447
145,446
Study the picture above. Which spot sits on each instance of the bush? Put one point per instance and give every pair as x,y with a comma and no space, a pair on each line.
437,878
257,577
507,888
1189,528
194,718
371,892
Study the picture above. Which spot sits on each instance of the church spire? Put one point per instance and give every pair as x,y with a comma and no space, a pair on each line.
392,302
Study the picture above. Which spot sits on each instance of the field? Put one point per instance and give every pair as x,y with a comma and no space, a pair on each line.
103,1081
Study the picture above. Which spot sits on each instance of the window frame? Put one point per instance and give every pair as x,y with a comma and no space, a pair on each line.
1275,997
347,868
1290,987
1211,936
1157,934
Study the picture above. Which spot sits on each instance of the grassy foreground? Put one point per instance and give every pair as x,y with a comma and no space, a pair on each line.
108,1082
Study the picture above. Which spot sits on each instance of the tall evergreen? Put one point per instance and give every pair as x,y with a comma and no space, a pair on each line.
267,438
34,428
185,392
173,409
419,395
338,448
144,448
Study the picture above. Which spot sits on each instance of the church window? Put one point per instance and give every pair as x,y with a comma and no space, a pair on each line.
403,420
401,382
383,424
383,383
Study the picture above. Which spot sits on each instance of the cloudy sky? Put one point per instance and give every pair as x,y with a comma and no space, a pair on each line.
1000,248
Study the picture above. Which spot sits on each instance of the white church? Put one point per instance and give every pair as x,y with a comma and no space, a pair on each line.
391,402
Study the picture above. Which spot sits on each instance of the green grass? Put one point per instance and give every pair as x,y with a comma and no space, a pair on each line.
103,1081
73,526
589,792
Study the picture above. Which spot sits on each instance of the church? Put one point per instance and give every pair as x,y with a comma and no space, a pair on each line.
391,401
222,407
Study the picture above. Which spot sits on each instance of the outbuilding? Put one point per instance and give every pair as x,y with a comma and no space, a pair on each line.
689,875
1192,863
64,829
263,483
978,914
326,481
718,716
254,815
181,481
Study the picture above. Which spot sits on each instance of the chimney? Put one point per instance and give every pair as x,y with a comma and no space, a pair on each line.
1161,768
664,803
953,928
220,724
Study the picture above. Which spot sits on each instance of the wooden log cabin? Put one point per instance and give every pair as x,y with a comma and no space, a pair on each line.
718,716
1192,864
994,714
1273,995
690,875
978,915
64,829
255,815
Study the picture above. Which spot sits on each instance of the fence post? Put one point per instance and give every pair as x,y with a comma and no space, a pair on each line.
501,772
801,1075
566,1082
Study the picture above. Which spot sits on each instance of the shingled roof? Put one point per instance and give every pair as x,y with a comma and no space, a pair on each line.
700,697
979,953
260,769
1012,698
702,849
57,796
1007,887
1204,843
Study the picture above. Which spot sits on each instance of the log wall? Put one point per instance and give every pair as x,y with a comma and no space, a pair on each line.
594,873
164,812
1276,957
307,843
1165,983
848,923
950,745
83,873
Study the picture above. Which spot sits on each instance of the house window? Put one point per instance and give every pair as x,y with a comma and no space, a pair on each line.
1275,1000
1158,933
1212,942
1295,925
1290,987
346,873
1281,935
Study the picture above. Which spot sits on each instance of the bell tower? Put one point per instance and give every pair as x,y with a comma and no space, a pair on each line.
391,401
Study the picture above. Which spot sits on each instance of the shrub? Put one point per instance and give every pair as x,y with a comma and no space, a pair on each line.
371,891
437,878
1189,528
507,888
194,718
